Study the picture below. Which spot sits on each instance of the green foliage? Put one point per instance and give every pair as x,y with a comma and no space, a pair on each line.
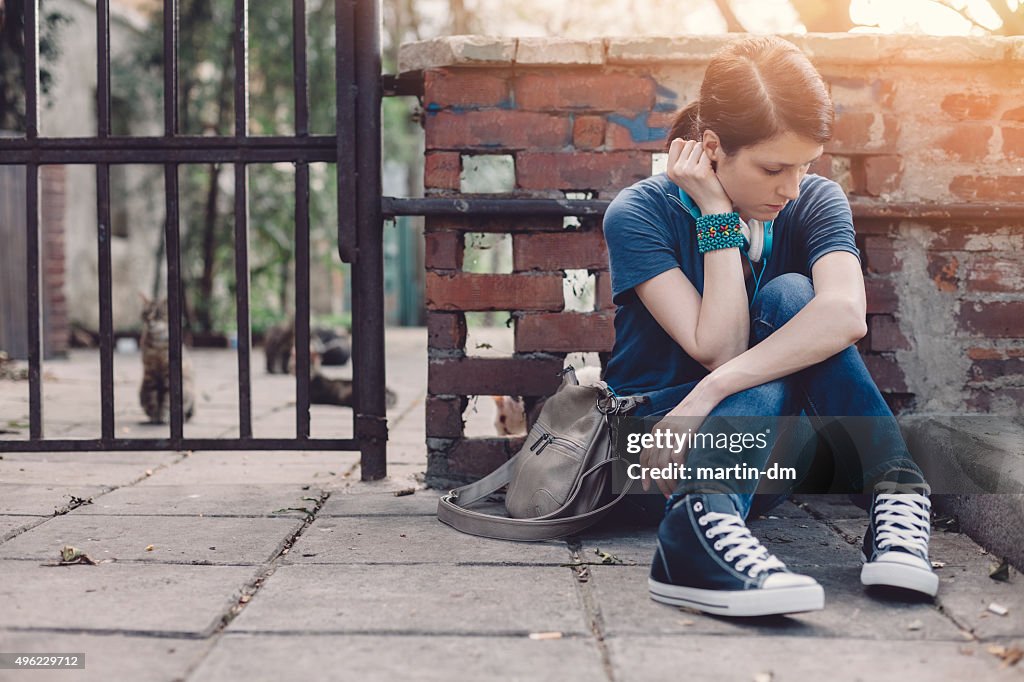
206,73
12,59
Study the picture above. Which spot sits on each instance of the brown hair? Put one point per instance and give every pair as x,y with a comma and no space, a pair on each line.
754,89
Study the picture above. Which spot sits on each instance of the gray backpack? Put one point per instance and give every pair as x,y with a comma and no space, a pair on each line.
559,481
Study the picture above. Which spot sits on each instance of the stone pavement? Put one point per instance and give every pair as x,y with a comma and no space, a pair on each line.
247,565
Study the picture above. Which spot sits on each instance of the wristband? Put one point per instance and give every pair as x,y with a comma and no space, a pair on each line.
719,231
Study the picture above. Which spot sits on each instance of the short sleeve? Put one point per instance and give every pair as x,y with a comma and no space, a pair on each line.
826,221
640,243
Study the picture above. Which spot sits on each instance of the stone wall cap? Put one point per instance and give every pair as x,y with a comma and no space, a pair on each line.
844,48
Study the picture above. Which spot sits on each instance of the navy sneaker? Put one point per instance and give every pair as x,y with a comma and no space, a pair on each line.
708,560
895,551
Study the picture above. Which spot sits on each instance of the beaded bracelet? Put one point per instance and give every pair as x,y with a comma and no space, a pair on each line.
719,231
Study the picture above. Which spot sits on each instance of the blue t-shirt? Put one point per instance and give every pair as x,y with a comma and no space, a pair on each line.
648,233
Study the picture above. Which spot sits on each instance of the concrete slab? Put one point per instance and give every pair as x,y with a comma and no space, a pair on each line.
12,525
627,609
118,657
420,503
111,469
43,500
831,506
420,599
373,657
965,588
170,599
256,468
205,500
174,539
413,539
790,658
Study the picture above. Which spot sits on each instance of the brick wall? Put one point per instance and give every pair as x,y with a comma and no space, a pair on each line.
56,326
929,145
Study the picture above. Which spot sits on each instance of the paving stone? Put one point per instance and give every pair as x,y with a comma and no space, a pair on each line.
434,599
118,657
375,657
793,658
831,506
12,525
111,469
965,588
43,500
174,539
420,503
850,611
413,539
207,500
255,468
124,597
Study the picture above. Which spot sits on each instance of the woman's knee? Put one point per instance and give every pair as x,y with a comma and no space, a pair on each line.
783,297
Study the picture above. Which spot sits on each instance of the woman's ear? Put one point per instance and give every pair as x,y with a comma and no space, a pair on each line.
712,145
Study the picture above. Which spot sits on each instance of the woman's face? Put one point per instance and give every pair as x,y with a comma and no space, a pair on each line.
762,179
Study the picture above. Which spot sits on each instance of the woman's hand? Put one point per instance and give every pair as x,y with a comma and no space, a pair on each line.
690,168
685,417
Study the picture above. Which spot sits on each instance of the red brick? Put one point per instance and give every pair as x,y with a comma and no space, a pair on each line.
990,370
887,373
588,132
881,295
468,291
444,417
1016,114
494,376
582,170
994,320
497,129
852,133
966,142
443,250
442,170
446,331
476,457
566,332
604,291
1004,398
567,90
879,255
875,226
568,250
977,237
886,335
995,274
988,187
620,137
970,107
1013,141
943,271
497,223
463,88
822,167
882,174
979,353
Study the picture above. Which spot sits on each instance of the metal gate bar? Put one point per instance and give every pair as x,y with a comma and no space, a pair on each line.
354,148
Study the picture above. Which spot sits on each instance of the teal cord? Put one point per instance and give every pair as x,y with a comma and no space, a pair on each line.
757,277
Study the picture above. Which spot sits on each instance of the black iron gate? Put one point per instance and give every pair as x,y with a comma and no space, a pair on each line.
355,149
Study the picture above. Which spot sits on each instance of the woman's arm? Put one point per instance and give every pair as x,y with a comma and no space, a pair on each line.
831,321
713,329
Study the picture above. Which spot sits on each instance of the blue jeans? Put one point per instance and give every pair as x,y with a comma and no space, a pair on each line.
839,386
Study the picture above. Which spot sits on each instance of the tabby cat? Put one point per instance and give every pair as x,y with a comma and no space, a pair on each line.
155,392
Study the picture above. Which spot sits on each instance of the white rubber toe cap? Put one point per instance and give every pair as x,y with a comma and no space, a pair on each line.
781,580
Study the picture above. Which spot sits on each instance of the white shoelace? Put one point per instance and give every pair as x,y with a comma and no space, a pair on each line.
903,520
741,543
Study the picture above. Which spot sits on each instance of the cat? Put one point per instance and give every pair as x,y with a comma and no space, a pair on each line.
326,347
333,347
510,417
155,392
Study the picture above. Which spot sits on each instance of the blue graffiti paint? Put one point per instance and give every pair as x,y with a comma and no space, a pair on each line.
638,127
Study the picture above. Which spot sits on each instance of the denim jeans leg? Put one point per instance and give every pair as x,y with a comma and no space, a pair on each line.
867,448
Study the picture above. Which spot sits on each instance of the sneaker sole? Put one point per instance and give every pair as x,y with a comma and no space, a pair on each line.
761,602
899,575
